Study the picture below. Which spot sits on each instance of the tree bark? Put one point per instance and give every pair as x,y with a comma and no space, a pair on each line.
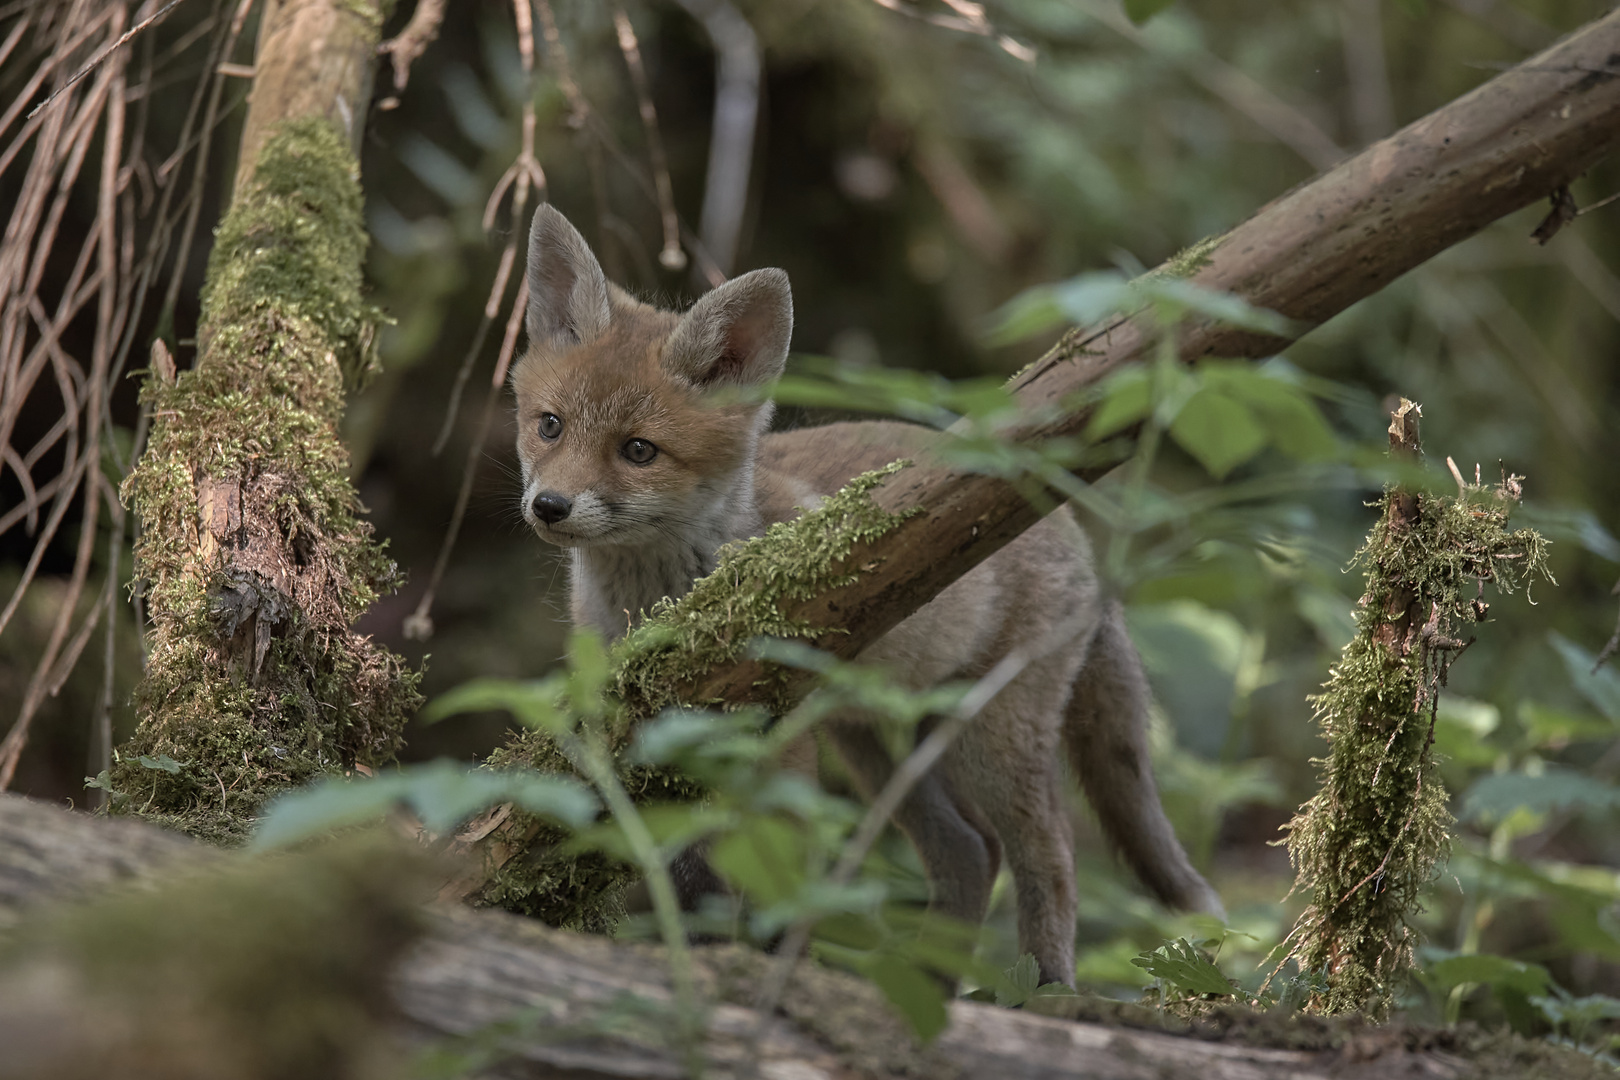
315,58
253,548
537,1002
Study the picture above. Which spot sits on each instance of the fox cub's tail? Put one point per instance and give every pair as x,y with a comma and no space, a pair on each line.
1105,730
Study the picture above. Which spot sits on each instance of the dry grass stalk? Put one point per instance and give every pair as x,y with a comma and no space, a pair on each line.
82,112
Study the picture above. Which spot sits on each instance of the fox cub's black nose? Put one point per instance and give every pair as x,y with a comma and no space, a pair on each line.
551,507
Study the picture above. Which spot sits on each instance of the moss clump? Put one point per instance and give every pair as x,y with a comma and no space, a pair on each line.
255,557
1366,845
274,967
656,665
1190,259
684,638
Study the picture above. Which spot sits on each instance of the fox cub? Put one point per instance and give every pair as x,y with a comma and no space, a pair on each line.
632,464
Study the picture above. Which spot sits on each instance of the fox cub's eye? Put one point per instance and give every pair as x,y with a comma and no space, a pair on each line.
550,426
639,451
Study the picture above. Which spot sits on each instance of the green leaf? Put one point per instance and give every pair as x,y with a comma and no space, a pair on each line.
445,793
1140,11
588,671
672,734
330,804
1289,414
1096,296
817,900
1085,299
1180,964
1217,430
674,827
1575,1016
1600,687
534,703
162,762
765,860
915,994
1497,795
1496,972
1127,398
560,798
1018,983
1177,297
1463,727
1545,726
440,793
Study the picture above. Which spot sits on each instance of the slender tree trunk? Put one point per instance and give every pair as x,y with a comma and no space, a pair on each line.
253,549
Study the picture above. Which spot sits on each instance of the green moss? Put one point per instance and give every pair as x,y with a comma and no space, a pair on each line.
255,680
274,967
372,12
747,597
1366,845
657,664
1190,259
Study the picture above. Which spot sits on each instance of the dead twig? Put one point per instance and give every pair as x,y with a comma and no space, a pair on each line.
412,41
123,40
671,257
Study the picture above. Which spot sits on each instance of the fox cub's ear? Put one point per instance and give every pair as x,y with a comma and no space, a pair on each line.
737,333
568,294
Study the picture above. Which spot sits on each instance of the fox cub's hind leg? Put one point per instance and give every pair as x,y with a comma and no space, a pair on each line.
959,859
1105,729
1006,763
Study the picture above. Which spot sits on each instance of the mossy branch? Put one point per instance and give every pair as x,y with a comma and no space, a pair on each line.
661,664
1366,845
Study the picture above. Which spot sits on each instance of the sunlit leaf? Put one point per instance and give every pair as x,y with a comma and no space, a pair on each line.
1289,415
1217,430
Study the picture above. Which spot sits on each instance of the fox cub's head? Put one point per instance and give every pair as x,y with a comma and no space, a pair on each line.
630,427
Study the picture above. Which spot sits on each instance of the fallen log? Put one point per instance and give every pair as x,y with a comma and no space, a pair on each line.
191,966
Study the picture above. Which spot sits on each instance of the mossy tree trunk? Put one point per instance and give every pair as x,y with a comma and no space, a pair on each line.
1366,845
254,554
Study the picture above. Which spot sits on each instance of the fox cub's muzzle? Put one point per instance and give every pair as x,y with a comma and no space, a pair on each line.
550,507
